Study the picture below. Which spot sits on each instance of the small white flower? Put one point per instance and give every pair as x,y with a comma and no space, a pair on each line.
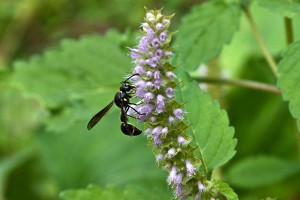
190,168
171,153
149,16
159,158
201,187
172,175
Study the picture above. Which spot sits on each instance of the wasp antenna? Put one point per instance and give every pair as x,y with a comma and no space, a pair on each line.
136,74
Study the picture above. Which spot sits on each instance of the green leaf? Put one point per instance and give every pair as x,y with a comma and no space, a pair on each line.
256,172
82,194
72,71
111,193
205,30
101,156
288,8
209,124
225,190
289,76
19,114
76,80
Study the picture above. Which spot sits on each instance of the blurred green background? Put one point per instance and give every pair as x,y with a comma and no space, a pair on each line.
50,86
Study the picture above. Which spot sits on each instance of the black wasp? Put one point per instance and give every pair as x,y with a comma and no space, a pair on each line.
122,100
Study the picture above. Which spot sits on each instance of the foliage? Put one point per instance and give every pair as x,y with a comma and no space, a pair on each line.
289,78
205,30
56,71
210,127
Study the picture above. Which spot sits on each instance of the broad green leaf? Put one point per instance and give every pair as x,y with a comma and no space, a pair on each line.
209,125
101,156
82,194
76,80
74,70
288,80
287,8
111,193
19,114
261,171
205,30
225,190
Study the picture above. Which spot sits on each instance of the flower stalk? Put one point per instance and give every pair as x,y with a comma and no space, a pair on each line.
161,113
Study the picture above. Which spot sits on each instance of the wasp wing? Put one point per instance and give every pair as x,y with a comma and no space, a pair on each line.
99,116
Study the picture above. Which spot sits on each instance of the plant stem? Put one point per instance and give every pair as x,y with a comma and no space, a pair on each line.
261,44
240,83
288,30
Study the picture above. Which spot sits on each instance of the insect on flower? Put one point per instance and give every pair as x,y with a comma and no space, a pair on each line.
122,100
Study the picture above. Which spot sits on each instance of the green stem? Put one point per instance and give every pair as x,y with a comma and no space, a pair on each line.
240,83
261,44
288,30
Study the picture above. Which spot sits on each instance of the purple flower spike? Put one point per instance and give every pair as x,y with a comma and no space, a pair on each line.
178,113
160,111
